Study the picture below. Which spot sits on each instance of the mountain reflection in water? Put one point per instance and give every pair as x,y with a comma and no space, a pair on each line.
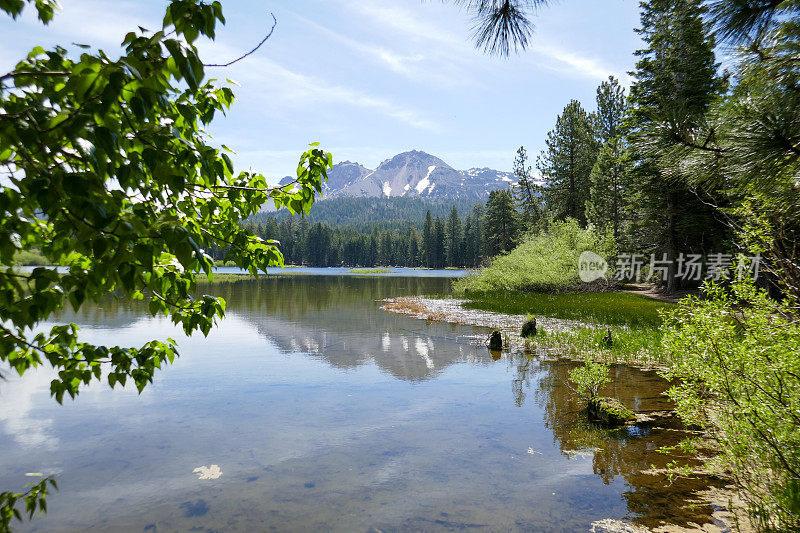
323,412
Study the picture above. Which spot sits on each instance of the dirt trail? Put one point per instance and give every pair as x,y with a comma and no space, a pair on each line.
649,291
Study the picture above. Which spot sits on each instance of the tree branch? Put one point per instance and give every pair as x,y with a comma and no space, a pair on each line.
19,74
229,63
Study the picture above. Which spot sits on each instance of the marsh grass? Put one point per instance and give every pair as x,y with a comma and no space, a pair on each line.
605,308
369,271
630,345
634,322
225,278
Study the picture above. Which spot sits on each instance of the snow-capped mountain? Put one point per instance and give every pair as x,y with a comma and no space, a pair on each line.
415,174
340,176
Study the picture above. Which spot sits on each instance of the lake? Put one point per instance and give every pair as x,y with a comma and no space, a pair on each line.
309,408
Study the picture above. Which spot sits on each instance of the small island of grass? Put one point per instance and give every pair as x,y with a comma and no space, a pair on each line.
369,271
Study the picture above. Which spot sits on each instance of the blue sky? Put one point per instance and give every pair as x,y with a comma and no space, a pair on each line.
371,78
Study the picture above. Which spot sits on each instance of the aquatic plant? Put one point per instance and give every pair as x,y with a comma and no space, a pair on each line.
589,377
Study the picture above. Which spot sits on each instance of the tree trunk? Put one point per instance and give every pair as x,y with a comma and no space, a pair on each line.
671,245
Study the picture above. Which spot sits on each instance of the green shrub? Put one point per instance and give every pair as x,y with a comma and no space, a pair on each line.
545,262
589,378
736,356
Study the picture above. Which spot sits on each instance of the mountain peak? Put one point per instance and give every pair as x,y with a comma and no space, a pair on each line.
413,173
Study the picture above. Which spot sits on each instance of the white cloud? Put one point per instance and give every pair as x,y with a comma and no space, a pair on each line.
396,62
573,63
18,415
402,21
274,81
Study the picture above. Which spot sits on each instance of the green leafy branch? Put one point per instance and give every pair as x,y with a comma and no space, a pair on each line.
33,498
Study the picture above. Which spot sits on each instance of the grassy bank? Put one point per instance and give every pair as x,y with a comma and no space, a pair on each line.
224,278
634,322
604,308
369,271
540,278
635,346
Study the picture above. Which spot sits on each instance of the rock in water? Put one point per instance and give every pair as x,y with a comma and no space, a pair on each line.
496,341
609,411
529,328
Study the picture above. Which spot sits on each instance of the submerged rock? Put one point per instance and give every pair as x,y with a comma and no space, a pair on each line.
609,411
529,328
608,525
496,341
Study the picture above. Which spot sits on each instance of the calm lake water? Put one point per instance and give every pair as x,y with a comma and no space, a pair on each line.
323,412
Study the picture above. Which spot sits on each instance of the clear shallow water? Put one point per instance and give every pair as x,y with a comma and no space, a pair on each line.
325,413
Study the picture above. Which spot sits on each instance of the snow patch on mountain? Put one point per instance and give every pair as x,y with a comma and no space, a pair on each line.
424,182
413,174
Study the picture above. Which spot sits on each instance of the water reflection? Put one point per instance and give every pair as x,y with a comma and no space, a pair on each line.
629,452
18,416
307,392
326,317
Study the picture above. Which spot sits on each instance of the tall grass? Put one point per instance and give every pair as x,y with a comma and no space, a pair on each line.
605,308
629,345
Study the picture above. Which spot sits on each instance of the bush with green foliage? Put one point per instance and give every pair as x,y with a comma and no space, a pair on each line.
544,262
108,171
590,377
736,357
111,175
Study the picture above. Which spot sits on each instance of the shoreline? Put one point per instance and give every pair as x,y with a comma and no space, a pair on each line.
729,514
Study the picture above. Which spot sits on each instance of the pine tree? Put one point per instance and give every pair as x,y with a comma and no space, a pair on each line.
385,249
467,257
675,82
372,258
526,192
428,251
438,243
502,226
608,184
566,164
300,237
611,108
286,236
318,245
412,257
271,230
478,241
453,239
